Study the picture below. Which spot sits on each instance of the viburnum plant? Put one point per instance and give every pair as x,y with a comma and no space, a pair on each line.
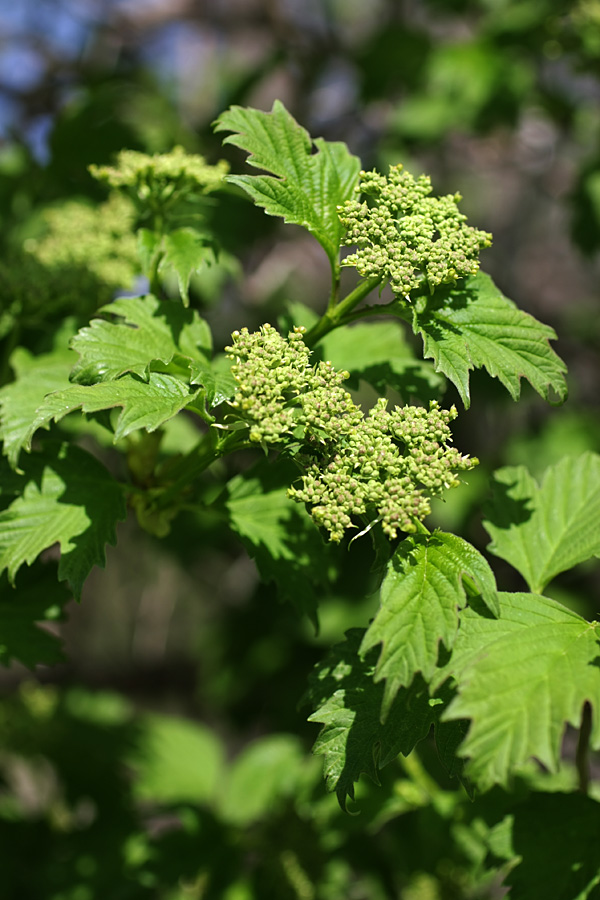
497,676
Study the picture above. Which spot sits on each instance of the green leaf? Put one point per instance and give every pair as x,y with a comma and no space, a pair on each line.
262,776
67,497
216,379
307,187
378,353
39,599
473,326
421,596
185,252
545,529
35,376
144,404
151,331
559,860
353,739
279,534
521,678
177,761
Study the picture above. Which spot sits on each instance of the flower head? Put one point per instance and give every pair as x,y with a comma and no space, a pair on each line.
407,237
382,466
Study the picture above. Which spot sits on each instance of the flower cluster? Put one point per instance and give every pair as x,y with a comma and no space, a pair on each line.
407,237
384,466
162,174
100,239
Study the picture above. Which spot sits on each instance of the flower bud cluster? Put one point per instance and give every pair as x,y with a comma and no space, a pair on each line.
100,239
384,466
271,372
161,175
406,237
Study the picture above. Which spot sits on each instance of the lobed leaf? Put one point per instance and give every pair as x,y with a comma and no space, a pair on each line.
66,497
353,739
185,252
521,678
474,326
545,529
304,187
144,404
35,376
421,596
151,331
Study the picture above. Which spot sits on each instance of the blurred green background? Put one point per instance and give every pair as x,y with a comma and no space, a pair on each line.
167,756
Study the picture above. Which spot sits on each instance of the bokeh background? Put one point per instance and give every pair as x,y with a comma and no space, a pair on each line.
498,99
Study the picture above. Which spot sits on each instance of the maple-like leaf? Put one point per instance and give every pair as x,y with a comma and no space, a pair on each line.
144,404
65,496
304,187
545,529
474,326
348,700
185,252
35,376
521,679
147,331
421,596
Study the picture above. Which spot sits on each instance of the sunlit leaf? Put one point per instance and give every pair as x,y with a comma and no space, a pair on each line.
545,529
304,188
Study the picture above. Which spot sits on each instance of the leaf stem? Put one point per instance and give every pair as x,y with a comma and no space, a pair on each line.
582,756
333,317
334,295
204,454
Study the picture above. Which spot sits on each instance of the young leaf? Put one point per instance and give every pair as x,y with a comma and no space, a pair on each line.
279,534
68,497
421,596
474,326
185,252
144,404
151,330
304,188
38,600
521,678
353,739
545,529
262,777
176,761
216,379
35,376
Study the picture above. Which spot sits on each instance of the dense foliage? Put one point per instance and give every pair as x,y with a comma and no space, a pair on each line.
497,675
346,640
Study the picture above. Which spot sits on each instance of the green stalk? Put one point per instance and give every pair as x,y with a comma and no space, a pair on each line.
334,296
333,316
